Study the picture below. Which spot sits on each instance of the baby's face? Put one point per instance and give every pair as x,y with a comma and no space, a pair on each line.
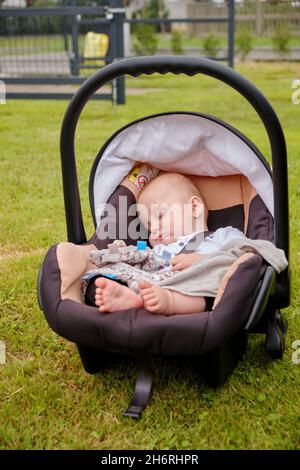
160,222
166,214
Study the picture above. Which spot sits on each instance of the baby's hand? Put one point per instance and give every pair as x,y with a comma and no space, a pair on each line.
184,261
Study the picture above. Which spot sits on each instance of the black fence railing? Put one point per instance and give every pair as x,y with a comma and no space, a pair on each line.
229,19
46,44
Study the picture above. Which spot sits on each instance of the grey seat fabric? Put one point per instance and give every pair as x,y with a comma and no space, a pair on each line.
139,331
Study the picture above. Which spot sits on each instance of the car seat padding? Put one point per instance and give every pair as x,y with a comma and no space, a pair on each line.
73,260
137,330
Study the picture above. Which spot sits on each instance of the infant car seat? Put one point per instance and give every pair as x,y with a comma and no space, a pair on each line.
240,189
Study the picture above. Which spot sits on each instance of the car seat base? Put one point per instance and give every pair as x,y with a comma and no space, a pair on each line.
220,363
275,335
39,280
94,360
143,387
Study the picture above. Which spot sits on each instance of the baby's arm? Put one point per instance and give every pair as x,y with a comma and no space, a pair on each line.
131,186
184,261
138,177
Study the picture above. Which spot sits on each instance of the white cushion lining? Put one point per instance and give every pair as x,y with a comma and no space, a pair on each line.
183,143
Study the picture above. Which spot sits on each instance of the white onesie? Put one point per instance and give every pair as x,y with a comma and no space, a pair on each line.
210,243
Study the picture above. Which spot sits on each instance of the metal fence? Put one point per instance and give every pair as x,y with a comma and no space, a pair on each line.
263,18
201,20
44,44
260,17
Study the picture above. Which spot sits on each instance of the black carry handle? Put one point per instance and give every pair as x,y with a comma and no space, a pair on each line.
137,66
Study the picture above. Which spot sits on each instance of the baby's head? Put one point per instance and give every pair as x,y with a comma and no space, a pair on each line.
171,205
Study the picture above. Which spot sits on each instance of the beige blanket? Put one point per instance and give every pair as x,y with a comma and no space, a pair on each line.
204,276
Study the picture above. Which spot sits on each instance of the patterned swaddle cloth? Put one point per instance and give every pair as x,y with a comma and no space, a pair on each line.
128,264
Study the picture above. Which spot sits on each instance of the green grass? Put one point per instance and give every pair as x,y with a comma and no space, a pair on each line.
35,44
43,44
164,40
47,400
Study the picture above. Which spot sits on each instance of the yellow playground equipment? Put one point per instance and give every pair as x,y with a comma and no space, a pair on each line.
95,45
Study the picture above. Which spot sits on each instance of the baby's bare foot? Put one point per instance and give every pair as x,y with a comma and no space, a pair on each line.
111,296
156,299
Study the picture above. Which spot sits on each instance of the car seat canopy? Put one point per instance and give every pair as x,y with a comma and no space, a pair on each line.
182,142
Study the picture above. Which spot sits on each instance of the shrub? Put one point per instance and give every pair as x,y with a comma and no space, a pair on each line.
281,38
145,42
211,45
176,42
244,43
157,9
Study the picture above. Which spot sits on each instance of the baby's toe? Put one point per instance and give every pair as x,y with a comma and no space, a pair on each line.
147,291
143,284
152,308
147,297
151,302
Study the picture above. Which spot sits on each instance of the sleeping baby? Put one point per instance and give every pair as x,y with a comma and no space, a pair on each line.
175,213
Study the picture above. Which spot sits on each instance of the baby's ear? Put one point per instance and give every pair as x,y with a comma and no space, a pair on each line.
197,206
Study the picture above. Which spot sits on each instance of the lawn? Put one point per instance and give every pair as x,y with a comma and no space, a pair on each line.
42,44
196,41
47,400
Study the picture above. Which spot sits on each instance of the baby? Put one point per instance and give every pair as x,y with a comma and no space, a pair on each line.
175,213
